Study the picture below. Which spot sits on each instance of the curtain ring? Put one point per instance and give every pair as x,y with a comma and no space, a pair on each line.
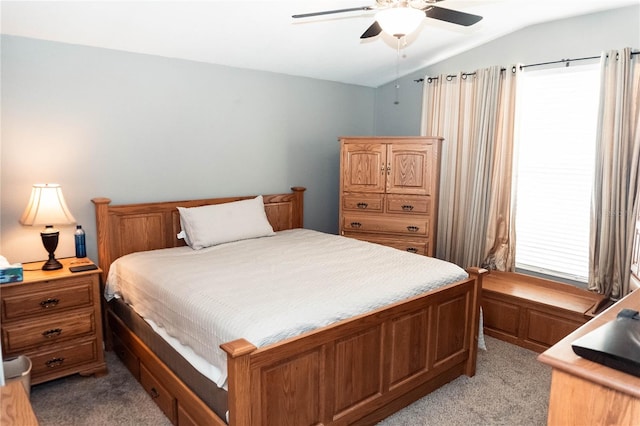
514,69
429,80
464,75
449,77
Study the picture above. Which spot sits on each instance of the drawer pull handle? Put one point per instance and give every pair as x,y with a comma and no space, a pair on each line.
362,205
49,303
154,393
407,207
412,228
412,249
55,362
356,224
54,332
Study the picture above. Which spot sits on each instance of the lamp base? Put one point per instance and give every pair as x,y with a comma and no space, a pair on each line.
50,241
51,265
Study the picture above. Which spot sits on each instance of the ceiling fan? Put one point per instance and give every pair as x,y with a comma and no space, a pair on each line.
401,17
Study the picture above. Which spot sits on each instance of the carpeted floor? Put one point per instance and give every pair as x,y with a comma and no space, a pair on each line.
510,388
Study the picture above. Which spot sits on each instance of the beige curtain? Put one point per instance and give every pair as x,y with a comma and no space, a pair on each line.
615,199
475,113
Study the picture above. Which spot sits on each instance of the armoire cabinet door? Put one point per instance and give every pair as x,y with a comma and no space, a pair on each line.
409,169
365,168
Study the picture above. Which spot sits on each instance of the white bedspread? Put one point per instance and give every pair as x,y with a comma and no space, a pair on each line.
267,289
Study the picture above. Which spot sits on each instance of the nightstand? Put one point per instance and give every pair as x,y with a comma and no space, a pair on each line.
54,318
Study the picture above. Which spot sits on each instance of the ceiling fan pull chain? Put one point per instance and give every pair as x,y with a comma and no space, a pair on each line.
397,101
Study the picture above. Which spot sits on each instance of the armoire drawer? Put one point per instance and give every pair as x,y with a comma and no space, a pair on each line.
404,244
407,204
363,202
386,224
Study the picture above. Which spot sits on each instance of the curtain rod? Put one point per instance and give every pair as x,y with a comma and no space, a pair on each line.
566,61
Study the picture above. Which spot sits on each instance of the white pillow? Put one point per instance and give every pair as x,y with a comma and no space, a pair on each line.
207,226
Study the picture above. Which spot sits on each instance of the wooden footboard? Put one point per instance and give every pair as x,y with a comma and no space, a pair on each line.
361,370
355,372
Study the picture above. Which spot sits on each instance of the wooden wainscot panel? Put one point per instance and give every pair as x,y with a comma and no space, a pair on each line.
358,370
150,226
409,342
452,316
544,328
279,215
501,317
285,385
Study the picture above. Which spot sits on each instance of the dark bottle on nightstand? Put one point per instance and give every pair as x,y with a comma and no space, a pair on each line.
81,248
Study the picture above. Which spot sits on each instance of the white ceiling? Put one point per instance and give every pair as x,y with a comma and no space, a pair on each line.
262,35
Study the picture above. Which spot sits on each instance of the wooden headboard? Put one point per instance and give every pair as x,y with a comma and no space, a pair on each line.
129,228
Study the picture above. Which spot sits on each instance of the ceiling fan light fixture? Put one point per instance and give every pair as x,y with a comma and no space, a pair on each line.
399,21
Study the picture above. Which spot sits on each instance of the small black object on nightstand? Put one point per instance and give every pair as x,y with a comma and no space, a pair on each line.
81,268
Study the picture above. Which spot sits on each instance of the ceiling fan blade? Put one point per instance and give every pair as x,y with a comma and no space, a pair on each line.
372,31
453,16
329,12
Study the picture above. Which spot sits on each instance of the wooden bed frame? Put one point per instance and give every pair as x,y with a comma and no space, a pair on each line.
357,371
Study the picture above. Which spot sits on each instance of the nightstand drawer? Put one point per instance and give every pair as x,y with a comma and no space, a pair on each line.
17,337
62,358
52,296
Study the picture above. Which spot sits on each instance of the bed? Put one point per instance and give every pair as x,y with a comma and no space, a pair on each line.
355,370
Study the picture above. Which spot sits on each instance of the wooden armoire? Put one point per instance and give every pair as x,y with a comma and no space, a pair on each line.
389,191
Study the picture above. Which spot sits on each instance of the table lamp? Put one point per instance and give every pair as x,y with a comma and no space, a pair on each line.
47,207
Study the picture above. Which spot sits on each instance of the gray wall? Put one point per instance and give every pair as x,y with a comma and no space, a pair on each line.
139,128
144,128
582,36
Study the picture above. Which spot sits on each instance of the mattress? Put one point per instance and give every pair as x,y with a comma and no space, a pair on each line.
266,289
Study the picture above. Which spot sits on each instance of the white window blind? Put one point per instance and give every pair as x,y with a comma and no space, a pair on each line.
554,170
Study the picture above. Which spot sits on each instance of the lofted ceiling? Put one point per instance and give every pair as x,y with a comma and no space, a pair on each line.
262,35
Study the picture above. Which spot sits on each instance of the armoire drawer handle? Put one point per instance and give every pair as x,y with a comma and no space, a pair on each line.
49,303
362,205
412,249
356,224
412,228
54,362
54,332
407,207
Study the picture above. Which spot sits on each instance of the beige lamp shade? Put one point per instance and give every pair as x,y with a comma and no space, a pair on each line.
47,207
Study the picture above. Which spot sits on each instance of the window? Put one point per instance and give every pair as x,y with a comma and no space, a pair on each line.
554,170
